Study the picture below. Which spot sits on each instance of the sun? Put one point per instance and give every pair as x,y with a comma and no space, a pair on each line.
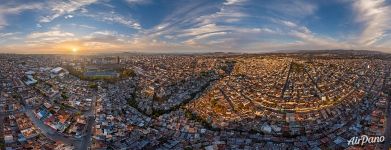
75,50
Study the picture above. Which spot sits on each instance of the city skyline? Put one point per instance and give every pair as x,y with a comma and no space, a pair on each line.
104,26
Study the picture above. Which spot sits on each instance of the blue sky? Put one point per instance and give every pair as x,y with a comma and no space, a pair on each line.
95,26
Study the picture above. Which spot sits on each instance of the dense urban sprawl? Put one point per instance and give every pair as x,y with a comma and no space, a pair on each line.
209,101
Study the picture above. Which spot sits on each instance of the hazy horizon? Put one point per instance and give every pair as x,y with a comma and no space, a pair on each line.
184,26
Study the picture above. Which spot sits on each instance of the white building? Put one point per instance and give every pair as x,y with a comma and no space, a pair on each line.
56,70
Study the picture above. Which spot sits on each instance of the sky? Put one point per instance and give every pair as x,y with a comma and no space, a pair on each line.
183,26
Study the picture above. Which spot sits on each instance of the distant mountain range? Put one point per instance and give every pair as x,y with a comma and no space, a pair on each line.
331,52
335,51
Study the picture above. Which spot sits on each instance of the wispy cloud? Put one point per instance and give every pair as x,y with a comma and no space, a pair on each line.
48,37
6,35
193,23
60,8
83,26
138,2
12,10
289,9
376,17
113,17
55,33
233,2
225,25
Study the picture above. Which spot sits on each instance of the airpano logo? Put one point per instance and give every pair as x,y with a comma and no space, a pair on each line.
364,139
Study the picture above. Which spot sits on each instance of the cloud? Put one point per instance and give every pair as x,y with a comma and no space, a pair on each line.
10,36
138,2
289,9
233,2
53,36
112,37
209,28
202,25
225,15
221,30
84,26
129,22
288,23
68,16
305,37
196,19
376,17
12,10
6,35
184,15
56,41
204,36
60,8
215,26
113,17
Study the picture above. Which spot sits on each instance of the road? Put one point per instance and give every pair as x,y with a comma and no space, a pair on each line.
86,140
388,127
286,81
1,127
387,131
79,144
49,132
46,130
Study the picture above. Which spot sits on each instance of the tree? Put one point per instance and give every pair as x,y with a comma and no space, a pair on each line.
124,73
214,101
64,95
93,86
78,113
2,143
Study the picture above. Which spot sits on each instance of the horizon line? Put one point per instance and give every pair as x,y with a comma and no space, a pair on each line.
194,52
